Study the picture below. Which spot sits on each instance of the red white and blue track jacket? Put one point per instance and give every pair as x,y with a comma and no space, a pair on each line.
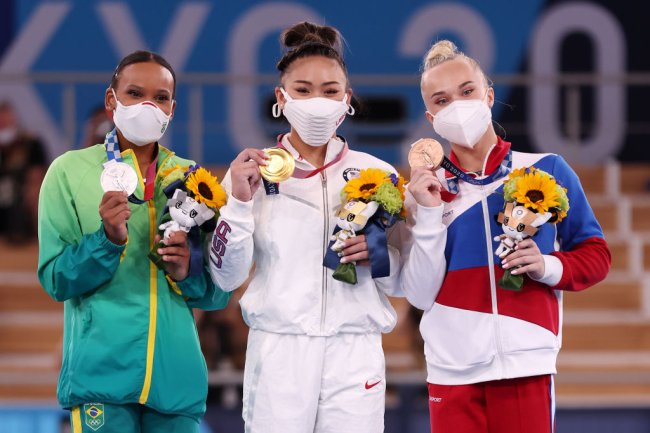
473,330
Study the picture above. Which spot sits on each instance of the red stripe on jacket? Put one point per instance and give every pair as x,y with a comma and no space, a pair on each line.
469,289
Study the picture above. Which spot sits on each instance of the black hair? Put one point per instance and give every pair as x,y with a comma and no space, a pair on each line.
307,39
142,56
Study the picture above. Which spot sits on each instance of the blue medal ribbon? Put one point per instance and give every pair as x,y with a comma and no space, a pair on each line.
113,154
452,182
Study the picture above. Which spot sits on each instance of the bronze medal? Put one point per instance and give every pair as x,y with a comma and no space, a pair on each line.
280,165
426,152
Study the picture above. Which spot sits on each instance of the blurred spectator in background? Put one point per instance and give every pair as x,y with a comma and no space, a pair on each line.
23,162
97,126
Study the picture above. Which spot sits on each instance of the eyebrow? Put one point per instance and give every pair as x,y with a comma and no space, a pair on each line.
460,87
140,88
310,83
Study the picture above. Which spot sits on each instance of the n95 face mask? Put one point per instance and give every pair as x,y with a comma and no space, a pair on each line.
141,123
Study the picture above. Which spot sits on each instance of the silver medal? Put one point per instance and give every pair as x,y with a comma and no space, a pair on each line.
119,176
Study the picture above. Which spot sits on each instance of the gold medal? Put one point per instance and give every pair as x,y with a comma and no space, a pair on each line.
426,152
280,165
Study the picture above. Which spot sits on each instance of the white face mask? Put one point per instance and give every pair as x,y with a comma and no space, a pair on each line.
141,123
8,135
463,122
314,119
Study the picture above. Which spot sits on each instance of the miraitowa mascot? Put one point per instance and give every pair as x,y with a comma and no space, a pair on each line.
518,223
185,213
352,217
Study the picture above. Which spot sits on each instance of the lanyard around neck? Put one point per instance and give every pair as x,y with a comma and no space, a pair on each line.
113,154
304,174
452,182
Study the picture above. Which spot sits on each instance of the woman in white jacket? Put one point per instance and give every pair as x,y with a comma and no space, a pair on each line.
314,360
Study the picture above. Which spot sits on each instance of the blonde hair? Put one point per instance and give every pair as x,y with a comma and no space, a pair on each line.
445,50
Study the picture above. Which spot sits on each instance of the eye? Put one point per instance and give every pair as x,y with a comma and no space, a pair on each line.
178,205
134,93
520,227
193,213
505,220
162,98
302,90
331,92
441,101
467,92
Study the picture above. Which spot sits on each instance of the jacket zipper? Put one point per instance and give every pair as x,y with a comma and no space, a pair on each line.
493,287
323,311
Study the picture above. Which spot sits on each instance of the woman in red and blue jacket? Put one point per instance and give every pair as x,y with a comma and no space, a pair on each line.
491,353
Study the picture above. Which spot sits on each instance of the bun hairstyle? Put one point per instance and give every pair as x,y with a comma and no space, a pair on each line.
445,50
307,39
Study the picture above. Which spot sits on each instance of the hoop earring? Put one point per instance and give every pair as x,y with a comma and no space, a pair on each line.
276,110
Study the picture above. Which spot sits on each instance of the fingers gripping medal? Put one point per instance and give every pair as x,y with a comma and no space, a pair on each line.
280,167
426,152
119,176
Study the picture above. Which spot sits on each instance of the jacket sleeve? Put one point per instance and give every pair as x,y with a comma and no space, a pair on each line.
231,252
70,264
584,253
422,250
201,292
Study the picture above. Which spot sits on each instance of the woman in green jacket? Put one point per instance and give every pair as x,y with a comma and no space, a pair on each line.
131,355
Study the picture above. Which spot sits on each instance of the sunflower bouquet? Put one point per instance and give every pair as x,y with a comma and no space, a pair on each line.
373,202
532,198
194,199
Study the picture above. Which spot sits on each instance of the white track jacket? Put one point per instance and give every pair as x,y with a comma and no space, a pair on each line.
286,236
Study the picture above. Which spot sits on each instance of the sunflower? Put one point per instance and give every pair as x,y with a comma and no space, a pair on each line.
171,174
206,188
563,203
536,191
518,172
364,186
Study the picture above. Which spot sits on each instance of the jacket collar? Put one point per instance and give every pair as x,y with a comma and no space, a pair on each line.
334,148
492,161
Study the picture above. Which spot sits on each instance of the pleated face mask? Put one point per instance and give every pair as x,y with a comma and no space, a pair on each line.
314,119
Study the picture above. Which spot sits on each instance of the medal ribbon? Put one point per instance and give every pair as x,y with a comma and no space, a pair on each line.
304,174
452,182
274,188
113,154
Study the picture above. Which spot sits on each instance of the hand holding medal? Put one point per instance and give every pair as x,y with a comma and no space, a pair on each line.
280,165
426,155
118,180
119,176
426,152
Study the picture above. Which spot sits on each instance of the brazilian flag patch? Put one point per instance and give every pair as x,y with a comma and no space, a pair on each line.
94,415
